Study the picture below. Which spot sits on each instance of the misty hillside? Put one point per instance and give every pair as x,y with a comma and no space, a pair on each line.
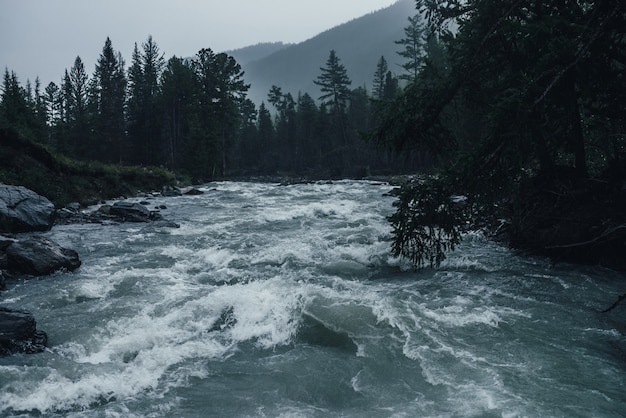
256,52
359,44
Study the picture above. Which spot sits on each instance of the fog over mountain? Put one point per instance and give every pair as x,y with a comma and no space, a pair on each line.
359,45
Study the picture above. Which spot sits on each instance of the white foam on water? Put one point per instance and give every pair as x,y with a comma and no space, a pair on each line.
134,353
265,312
249,262
460,316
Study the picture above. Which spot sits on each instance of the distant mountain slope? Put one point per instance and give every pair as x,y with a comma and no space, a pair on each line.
359,44
256,52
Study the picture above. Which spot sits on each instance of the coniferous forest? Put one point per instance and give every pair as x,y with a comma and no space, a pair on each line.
517,106
192,116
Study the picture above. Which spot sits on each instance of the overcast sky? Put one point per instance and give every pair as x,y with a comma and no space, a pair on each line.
43,37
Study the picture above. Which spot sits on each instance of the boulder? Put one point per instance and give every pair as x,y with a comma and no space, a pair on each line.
39,256
18,333
22,210
192,191
130,212
169,191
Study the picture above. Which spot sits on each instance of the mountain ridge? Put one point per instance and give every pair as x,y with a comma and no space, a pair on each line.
359,44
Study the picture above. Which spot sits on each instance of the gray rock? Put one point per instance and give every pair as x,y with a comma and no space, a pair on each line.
3,282
18,333
130,212
172,193
39,256
22,210
192,191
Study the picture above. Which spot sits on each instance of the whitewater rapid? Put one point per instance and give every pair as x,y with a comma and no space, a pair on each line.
284,301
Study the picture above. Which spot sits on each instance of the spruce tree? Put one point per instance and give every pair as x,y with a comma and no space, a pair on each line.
109,98
178,104
379,78
143,103
76,110
14,106
334,84
221,88
413,48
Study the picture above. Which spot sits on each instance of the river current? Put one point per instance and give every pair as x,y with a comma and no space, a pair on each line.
284,301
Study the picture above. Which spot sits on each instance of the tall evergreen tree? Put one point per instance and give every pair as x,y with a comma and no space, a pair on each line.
334,84
379,78
221,89
52,103
178,98
15,110
143,101
109,97
413,48
75,87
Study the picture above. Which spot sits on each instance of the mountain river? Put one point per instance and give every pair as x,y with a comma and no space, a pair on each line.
284,301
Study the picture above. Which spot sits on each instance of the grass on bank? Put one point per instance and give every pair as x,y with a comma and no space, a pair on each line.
63,180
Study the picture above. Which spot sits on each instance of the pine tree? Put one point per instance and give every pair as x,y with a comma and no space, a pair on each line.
109,97
76,111
379,78
143,102
221,90
51,100
178,95
15,110
334,84
413,51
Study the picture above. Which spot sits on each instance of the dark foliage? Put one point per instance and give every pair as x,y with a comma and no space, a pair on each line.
519,110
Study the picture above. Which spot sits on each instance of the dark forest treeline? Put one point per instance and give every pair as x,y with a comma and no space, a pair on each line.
527,116
192,116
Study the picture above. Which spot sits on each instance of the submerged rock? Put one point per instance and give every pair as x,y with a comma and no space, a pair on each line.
18,333
39,256
22,210
314,332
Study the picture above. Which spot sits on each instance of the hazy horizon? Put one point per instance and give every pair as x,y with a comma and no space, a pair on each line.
41,39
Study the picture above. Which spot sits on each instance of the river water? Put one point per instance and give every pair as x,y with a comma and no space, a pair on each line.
274,301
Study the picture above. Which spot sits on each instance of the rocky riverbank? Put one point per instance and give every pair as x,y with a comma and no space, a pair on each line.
24,253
